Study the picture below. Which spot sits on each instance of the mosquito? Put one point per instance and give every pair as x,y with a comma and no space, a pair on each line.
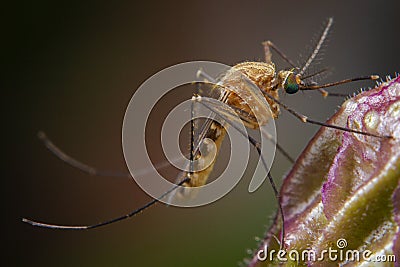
269,82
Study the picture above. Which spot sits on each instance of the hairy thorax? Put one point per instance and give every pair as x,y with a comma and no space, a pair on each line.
241,92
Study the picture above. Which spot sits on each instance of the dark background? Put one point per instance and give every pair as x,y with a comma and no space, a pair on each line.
70,69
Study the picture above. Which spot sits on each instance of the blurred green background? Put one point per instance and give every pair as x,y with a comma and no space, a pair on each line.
70,69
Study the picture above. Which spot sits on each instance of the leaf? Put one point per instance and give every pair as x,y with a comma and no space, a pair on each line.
343,193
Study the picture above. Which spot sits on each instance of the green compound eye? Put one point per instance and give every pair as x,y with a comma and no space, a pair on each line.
291,88
291,85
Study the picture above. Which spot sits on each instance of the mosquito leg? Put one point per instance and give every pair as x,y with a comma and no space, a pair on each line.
316,86
192,134
246,117
75,163
268,55
93,171
305,119
326,93
191,137
278,147
56,151
257,146
87,227
323,92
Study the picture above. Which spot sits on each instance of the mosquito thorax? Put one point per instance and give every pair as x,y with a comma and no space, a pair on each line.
261,74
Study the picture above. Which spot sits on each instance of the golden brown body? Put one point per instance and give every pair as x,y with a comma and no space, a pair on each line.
263,75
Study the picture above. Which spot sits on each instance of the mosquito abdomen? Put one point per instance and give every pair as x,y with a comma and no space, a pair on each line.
215,133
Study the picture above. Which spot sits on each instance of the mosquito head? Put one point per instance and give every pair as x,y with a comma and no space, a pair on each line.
289,80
